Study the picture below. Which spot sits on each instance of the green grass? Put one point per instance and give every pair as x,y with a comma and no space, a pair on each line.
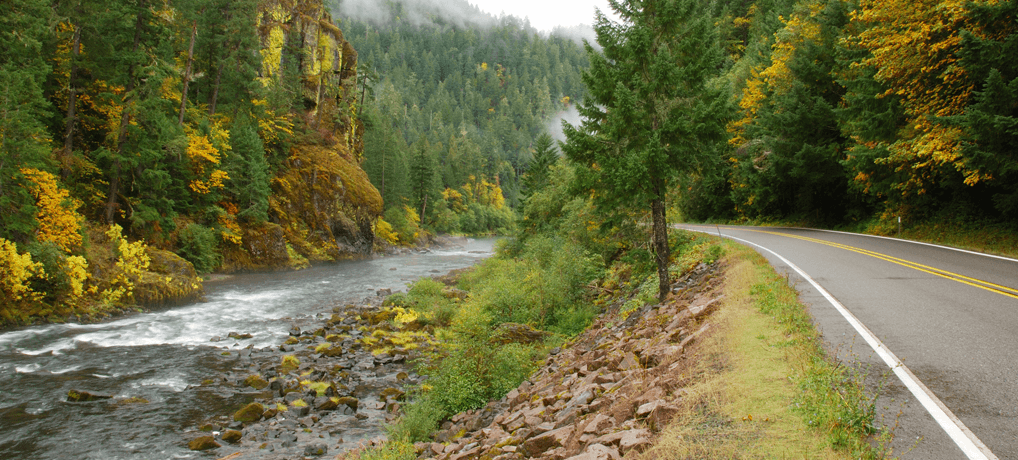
766,387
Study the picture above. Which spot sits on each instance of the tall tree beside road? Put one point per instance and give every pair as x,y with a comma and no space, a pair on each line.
655,109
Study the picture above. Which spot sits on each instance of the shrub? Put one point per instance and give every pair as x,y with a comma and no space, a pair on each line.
420,418
199,245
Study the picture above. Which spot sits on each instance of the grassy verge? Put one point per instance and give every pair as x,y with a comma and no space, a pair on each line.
766,388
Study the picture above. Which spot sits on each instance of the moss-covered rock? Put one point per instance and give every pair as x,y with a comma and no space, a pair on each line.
391,394
333,351
348,401
232,436
85,396
250,413
203,443
169,279
256,382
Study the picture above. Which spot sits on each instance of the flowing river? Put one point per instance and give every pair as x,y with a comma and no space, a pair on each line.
164,356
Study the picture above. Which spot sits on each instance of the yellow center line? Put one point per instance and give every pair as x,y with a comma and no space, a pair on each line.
985,285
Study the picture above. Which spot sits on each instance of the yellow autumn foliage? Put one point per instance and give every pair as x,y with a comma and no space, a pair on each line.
58,218
914,48
204,157
15,272
383,230
132,261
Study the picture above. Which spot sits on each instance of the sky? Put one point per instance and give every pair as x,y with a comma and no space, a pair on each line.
545,15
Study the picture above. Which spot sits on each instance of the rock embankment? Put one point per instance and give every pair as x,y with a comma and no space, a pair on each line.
607,393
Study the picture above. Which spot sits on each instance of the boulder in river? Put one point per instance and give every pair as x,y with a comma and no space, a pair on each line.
235,335
203,443
250,413
85,396
232,436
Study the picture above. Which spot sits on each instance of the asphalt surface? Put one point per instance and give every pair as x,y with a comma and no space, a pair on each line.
957,331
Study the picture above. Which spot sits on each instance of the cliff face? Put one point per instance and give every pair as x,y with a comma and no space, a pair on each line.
322,205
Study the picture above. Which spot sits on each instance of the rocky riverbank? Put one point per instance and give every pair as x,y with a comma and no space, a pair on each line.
329,387
608,392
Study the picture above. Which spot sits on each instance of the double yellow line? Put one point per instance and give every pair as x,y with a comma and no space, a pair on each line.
986,285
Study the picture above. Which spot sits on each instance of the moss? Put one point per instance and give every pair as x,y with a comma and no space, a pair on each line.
256,382
250,413
289,363
203,443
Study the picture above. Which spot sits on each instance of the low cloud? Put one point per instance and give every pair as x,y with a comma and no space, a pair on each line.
570,115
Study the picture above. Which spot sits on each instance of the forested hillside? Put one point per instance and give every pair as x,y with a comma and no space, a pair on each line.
455,102
859,110
225,132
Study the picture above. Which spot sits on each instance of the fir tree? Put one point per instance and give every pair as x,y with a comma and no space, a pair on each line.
653,112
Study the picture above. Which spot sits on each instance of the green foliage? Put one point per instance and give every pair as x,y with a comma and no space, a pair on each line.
655,110
249,172
199,245
420,418
545,284
480,96
831,397
55,282
405,224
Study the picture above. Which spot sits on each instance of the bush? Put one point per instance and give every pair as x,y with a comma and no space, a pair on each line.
420,418
53,282
200,246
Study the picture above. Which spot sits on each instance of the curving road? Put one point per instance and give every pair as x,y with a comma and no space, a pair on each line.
950,316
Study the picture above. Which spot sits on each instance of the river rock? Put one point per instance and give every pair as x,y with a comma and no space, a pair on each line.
203,443
349,402
239,336
250,413
256,382
315,450
85,396
232,436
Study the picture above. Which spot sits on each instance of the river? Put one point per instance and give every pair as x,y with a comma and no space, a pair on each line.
163,356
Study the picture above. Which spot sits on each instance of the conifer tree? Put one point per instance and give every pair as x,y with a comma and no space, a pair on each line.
249,171
23,139
653,111
545,155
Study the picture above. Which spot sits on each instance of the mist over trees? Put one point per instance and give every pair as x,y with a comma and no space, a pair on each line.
479,90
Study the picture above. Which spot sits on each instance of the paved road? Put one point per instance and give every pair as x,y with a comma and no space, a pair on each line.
950,316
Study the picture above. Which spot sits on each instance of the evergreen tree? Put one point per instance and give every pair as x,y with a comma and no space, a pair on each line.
653,112
991,122
249,172
24,141
545,155
422,177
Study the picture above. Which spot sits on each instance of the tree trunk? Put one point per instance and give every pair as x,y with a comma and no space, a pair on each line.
215,90
661,248
72,98
125,122
187,73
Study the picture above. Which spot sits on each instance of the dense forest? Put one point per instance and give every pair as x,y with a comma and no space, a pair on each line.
139,139
860,111
137,132
455,102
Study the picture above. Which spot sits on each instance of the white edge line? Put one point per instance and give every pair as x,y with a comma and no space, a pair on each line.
967,441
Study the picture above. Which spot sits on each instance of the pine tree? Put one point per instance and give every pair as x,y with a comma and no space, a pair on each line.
249,171
654,110
24,141
422,177
545,155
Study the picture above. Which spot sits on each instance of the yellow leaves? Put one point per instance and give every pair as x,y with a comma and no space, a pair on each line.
383,230
203,155
15,271
132,261
58,219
